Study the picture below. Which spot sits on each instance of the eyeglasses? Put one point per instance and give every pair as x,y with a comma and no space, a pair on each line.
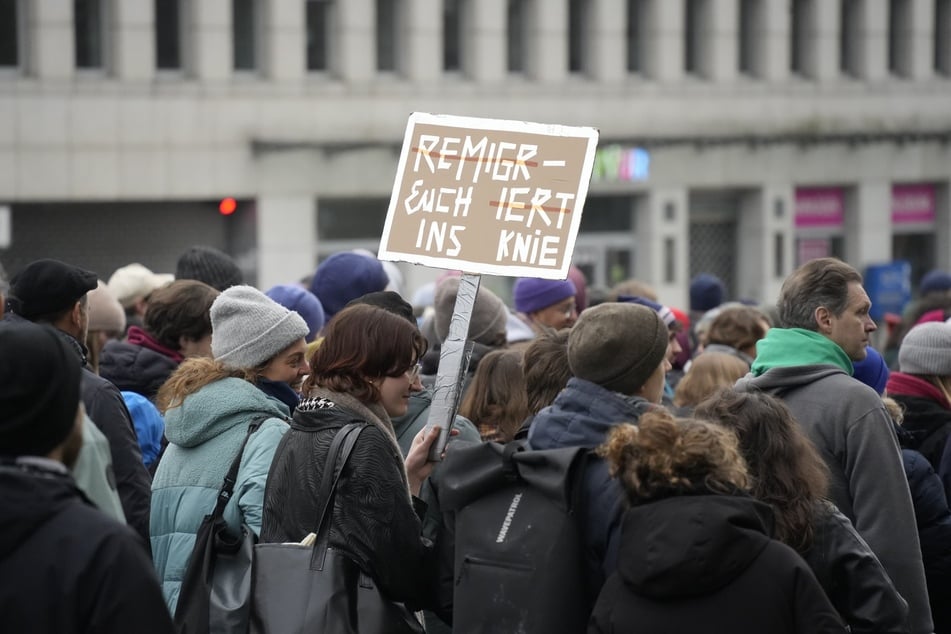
413,371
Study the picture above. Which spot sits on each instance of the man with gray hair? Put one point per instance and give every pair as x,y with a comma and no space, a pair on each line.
807,362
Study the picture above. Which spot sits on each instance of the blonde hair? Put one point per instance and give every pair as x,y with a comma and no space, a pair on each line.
662,457
193,374
709,372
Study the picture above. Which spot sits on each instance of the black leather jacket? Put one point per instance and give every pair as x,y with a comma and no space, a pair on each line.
375,521
852,576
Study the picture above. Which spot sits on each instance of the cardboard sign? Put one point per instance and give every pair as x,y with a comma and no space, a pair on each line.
489,196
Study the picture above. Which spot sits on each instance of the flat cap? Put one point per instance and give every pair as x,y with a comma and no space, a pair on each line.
49,286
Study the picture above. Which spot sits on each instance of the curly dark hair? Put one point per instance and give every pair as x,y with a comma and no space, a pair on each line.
663,457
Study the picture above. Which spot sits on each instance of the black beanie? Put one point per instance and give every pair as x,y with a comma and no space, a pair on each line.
39,389
390,301
209,265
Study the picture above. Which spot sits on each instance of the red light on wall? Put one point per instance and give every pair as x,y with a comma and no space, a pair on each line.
227,206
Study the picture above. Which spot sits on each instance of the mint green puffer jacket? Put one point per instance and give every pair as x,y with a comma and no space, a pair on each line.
204,435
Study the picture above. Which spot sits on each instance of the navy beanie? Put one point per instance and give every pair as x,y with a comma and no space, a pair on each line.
39,389
532,294
872,370
302,302
935,281
706,292
344,277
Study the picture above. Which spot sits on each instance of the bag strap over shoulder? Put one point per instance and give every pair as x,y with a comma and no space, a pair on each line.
337,457
227,487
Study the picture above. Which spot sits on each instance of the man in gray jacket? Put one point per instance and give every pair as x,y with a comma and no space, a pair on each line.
824,314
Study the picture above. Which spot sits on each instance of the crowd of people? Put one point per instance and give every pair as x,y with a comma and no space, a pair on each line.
749,468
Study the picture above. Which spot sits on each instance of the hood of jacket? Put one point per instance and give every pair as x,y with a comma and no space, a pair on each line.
29,496
135,368
691,545
217,407
793,347
779,380
582,415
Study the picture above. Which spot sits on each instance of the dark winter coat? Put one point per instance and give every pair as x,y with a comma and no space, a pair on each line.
65,567
135,368
852,577
848,424
705,563
928,426
374,519
581,416
934,532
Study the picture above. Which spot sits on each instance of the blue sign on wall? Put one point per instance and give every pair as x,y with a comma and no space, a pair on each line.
889,287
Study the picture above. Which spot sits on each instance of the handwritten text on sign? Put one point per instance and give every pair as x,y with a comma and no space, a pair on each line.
489,196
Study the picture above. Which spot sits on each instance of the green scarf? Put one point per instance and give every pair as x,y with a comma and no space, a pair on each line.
790,347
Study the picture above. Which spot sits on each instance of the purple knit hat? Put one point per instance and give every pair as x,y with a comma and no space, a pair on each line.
532,294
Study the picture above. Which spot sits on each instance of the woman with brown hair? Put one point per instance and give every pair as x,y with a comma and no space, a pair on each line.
695,553
363,372
788,473
496,401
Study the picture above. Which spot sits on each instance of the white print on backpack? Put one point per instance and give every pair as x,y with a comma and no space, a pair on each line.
508,518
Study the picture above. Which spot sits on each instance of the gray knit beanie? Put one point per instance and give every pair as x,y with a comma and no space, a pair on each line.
617,346
249,328
926,350
489,314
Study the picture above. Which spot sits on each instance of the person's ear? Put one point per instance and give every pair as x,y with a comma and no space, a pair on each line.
76,314
823,317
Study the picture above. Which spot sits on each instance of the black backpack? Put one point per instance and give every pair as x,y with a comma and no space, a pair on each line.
513,525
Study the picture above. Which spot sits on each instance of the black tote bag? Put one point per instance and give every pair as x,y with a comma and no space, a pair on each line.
215,596
298,588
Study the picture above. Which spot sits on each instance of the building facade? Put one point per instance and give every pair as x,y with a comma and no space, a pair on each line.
738,137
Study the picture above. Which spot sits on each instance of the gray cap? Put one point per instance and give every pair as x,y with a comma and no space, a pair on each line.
249,328
926,350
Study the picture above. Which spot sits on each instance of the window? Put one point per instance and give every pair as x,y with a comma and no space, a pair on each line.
576,35
635,36
319,19
749,37
387,34
452,35
799,36
898,37
693,37
942,37
516,36
168,34
244,34
849,38
9,33
89,32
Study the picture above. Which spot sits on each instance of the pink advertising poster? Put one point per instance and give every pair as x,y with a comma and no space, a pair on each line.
913,204
820,207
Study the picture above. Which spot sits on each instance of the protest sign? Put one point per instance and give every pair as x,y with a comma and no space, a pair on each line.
489,196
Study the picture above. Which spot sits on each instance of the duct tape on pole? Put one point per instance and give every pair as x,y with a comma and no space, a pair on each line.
453,364
490,197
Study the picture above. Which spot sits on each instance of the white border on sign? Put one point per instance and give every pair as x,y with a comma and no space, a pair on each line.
476,123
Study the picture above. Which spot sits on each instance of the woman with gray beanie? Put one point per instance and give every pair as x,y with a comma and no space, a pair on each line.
209,405
922,386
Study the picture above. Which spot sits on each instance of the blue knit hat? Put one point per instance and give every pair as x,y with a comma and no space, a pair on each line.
664,312
344,277
532,294
706,292
872,370
935,281
302,302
